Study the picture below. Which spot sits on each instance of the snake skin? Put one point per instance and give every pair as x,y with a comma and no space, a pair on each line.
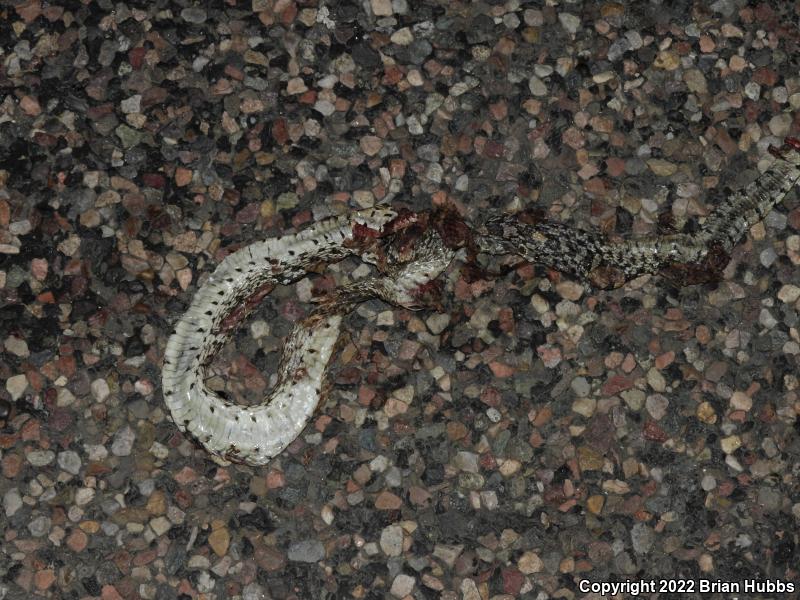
410,251
608,263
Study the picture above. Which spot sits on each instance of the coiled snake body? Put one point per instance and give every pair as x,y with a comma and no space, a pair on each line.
410,251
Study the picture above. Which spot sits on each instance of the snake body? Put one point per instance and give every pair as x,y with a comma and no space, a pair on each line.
609,263
254,435
410,252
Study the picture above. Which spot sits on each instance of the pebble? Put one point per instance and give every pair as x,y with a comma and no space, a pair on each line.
634,38
327,514
615,486
438,322
199,562
156,503
391,540
371,145
160,526
657,406
39,526
448,553
726,7
780,125
16,386
69,461
767,257
530,563
642,538
381,8
77,540
253,591
12,502
84,496
415,78
789,294
708,483
741,401
533,17
730,444
585,406
581,387
44,578
324,107
589,459
132,104
752,90
494,415
17,347
220,539
569,22
571,290
618,49
30,106
123,442
194,15
428,152
388,501
434,173
205,582
469,590
40,458
695,81
595,504
308,551
183,177
666,60
466,461
656,380
414,125
537,86
128,137
662,168
770,499
418,51
402,37
296,85
402,585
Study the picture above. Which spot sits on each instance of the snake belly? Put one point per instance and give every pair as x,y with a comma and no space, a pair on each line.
255,434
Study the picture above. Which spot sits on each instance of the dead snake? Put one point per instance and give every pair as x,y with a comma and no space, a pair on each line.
410,251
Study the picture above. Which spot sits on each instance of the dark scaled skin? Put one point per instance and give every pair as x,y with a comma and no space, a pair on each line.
410,251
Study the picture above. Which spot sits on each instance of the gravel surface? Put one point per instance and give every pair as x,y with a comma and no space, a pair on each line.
532,437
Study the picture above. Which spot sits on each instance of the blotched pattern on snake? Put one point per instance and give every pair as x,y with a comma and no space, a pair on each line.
409,251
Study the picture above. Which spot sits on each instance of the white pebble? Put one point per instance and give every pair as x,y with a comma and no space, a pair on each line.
16,386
